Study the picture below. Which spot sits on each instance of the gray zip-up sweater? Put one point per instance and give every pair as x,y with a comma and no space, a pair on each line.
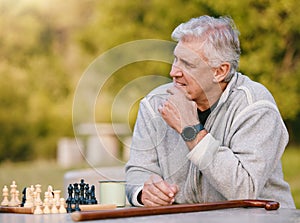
238,159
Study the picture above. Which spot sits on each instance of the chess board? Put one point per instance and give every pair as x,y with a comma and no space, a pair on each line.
24,210
18,210
81,197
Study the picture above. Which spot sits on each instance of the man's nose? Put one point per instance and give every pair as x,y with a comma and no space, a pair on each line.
175,71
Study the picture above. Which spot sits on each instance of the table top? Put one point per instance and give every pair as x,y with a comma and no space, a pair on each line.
234,215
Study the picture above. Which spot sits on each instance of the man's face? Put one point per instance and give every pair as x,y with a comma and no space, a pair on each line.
190,72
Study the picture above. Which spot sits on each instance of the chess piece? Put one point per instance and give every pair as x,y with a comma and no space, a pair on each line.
38,190
93,197
23,197
29,198
38,209
76,197
87,189
54,209
69,206
50,189
17,198
57,197
62,208
82,198
34,199
33,195
70,193
88,197
69,200
5,201
50,195
13,189
46,206
46,195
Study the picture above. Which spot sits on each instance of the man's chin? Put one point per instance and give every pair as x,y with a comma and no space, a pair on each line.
188,96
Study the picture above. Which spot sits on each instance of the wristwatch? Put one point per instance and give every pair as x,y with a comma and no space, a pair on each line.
189,133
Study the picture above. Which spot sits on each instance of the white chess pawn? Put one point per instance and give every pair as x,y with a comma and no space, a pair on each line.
38,210
62,207
19,202
5,196
57,197
34,199
38,191
29,198
46,195
54,209
46,206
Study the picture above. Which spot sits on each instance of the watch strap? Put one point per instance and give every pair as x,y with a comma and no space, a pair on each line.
199,127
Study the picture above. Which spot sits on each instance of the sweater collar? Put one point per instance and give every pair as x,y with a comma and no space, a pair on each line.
228,90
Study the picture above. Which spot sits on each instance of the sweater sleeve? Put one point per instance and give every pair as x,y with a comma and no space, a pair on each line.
204,152
241,168
143,160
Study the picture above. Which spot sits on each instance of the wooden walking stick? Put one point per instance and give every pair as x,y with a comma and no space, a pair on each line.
179,208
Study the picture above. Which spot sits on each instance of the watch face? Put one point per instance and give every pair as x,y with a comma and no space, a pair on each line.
189,133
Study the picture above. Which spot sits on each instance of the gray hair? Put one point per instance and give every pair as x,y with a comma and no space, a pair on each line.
218,37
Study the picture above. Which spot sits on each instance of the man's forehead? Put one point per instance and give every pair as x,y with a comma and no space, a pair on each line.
189,50
185,48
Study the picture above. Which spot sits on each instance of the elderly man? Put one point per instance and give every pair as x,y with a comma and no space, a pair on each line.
211,135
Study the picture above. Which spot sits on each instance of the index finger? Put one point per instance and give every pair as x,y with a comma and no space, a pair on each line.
162,185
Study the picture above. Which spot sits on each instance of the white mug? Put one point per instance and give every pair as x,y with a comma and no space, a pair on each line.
112,192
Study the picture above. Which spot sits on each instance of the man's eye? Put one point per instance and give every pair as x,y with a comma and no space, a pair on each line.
189,65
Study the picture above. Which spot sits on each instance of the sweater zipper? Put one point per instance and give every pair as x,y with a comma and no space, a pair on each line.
194,183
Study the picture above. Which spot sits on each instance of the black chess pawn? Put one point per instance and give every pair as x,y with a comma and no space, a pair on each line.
76,188
93,197
86,197
69,206
76,197
81,198
70,199
70,194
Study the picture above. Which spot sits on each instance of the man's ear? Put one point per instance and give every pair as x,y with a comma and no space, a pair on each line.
221,72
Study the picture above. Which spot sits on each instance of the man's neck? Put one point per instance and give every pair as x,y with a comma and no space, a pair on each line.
211,97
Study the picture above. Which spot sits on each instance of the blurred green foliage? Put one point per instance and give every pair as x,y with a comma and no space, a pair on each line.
45,46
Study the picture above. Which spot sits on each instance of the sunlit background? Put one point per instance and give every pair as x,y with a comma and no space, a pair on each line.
47,45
